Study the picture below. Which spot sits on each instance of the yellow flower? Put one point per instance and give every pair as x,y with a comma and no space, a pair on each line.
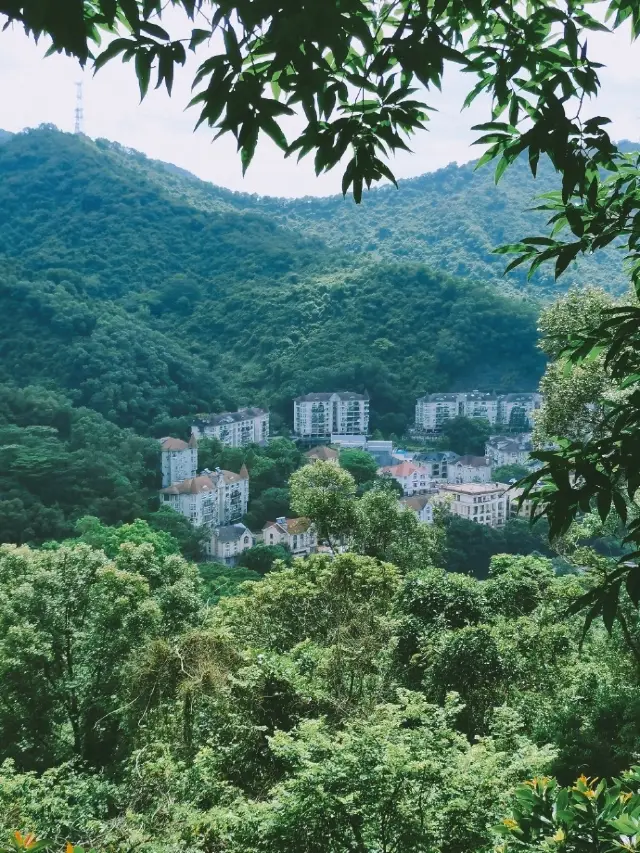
625,797
558,836
510,823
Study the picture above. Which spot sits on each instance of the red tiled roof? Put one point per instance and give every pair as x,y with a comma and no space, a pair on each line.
192,486
173,444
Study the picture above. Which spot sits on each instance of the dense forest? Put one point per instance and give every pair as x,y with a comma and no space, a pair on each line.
140,304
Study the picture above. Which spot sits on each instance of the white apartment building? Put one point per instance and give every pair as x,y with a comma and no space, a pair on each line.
215,498
414,479
339,414
421,505
438,463
511,410
234,429
470,469
509,450
227,543
517,411
196,498
179,460
481,503
296,534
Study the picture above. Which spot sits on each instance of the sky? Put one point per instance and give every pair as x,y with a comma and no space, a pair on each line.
36,90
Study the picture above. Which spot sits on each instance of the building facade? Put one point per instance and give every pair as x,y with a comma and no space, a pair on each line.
234,429
421,505
215,498
296,534
227,543
470,469
317,416
513,411
481,503
509,450
179,459
414,479
438,463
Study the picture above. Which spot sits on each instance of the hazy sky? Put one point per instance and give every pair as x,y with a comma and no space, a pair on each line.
34,89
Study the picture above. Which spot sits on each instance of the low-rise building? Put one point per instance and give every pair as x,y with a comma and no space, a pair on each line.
478,502
296,534
322,453
438,463
517,509
414,479
179,459
421,505
228,542
325,414
234,429
470,469
509,450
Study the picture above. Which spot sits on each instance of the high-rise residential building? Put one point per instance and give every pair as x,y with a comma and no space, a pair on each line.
179,459
513,411
318,416
234,429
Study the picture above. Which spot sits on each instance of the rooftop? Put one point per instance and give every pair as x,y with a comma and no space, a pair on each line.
293,526
475,488
416,502
404,469
191,486
322,452
228,417
325,396
472,461
230,533
169,443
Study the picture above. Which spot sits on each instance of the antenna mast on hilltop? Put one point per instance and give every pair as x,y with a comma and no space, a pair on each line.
79,113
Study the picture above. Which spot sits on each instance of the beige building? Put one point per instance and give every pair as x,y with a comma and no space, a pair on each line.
297,534
234,429
523,511
325,414
478,502
322,453
227,543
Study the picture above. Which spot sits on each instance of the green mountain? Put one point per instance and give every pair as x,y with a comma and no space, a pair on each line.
145,294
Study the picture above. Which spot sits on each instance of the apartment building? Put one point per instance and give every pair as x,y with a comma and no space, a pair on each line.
296,534
517,411
478,502
178,459
414,479
331,414
511,410
438,463
470,469
227,543
509,450
197,498
234,429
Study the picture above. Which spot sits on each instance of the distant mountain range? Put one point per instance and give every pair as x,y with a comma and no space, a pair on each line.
148,294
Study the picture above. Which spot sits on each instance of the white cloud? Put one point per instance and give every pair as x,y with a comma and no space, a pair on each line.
34,90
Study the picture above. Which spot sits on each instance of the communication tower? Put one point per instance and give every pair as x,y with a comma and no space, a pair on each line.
79,113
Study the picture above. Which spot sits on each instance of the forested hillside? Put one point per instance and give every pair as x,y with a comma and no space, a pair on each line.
451,220
121,289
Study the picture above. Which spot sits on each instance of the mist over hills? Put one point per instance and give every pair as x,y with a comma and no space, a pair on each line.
145,293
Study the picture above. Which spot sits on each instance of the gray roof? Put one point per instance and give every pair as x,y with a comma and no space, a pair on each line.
527,397
228,417
439,398
325,396
231,533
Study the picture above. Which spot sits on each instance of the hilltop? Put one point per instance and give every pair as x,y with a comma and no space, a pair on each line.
123,288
